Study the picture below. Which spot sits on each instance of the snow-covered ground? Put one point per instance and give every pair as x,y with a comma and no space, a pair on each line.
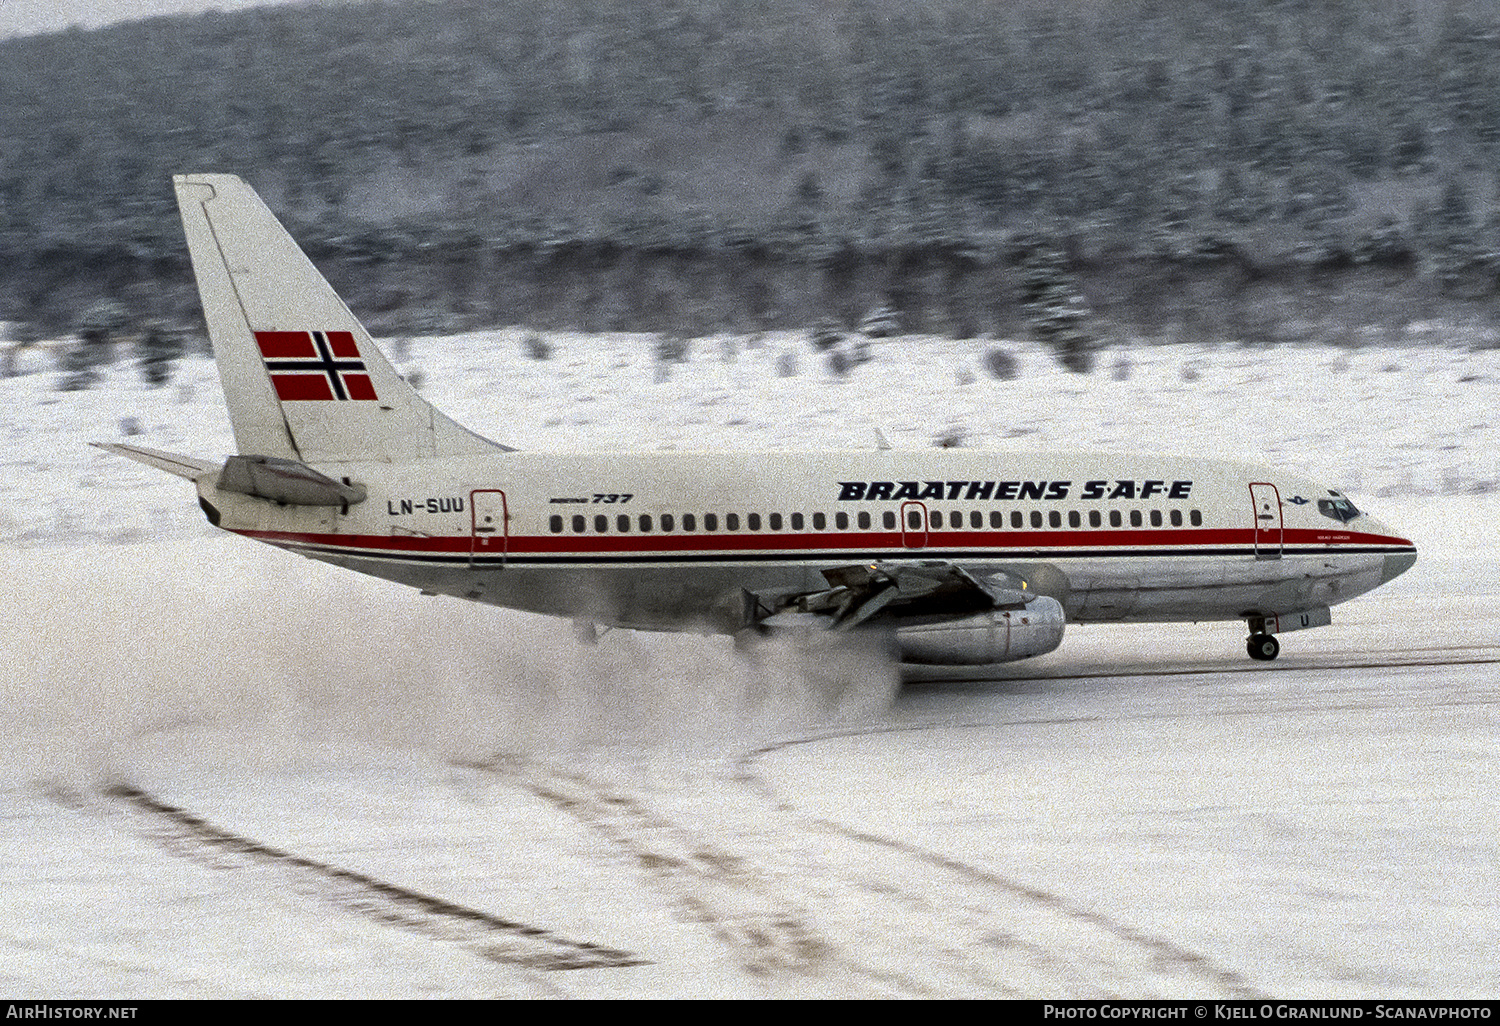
231,772
1375,422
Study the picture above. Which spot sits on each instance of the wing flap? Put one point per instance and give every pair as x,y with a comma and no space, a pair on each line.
923,590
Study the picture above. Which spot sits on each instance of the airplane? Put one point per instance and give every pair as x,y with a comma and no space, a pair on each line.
947,556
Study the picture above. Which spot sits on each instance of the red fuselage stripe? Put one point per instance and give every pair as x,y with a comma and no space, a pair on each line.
824,541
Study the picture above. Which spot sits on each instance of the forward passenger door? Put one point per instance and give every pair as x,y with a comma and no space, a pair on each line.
1268,531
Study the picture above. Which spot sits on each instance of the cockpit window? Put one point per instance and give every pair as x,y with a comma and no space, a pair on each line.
1340,509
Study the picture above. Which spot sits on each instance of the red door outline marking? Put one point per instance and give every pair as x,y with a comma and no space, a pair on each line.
489,524
1266,502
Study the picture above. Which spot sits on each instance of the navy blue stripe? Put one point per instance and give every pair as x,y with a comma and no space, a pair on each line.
324,363
835,558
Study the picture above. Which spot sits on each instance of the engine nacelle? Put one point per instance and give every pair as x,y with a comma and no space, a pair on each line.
997,636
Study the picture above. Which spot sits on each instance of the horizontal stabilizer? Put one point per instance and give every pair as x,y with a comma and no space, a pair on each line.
265,477
287,481
182,466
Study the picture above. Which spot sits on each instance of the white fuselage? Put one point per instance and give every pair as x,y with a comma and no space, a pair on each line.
955,555
672,540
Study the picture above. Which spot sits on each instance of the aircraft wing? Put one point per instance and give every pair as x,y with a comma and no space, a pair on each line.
923,590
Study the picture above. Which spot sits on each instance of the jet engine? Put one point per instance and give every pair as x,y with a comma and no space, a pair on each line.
995,636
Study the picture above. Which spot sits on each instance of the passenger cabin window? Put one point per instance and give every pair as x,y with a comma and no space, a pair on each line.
555,523
775,520
689,522
1016,520
1114,518
645,522
797,522
914,520
997,520
710,521
623,522
1195,517
840,521
889,520
1054,519
753,520
731,521
1338,508
820,522
1096,519
1075,518
1036,518
1156,518
667,523
1135,518
601,523
864,521
577,523
1176,518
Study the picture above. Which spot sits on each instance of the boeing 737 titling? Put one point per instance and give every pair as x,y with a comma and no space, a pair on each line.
954,556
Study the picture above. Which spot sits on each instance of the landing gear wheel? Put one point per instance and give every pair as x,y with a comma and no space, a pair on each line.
1264,647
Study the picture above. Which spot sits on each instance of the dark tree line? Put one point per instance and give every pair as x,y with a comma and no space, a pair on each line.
732,163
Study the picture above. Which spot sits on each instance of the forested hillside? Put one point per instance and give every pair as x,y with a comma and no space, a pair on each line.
1237,169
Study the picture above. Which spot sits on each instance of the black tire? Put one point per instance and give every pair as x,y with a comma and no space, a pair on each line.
1264,647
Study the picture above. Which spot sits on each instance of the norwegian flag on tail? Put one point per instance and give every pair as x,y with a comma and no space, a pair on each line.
314,365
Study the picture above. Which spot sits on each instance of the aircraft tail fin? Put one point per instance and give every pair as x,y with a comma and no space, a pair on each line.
302,378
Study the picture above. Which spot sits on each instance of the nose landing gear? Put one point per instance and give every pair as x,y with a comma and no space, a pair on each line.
1262,643
1264,647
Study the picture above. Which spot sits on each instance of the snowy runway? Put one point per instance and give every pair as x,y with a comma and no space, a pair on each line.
450,790
1143,812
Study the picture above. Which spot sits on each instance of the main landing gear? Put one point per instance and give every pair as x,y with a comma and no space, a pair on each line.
1264,647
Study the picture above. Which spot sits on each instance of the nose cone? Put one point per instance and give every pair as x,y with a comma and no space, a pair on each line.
1397,565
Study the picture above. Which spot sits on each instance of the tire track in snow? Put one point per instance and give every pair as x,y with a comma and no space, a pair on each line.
713,886
1033,934
854,911
486,935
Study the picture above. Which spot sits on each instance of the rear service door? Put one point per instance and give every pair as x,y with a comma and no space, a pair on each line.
489,527
1267,504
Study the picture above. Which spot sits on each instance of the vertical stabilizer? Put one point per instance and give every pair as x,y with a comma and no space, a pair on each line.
302,378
